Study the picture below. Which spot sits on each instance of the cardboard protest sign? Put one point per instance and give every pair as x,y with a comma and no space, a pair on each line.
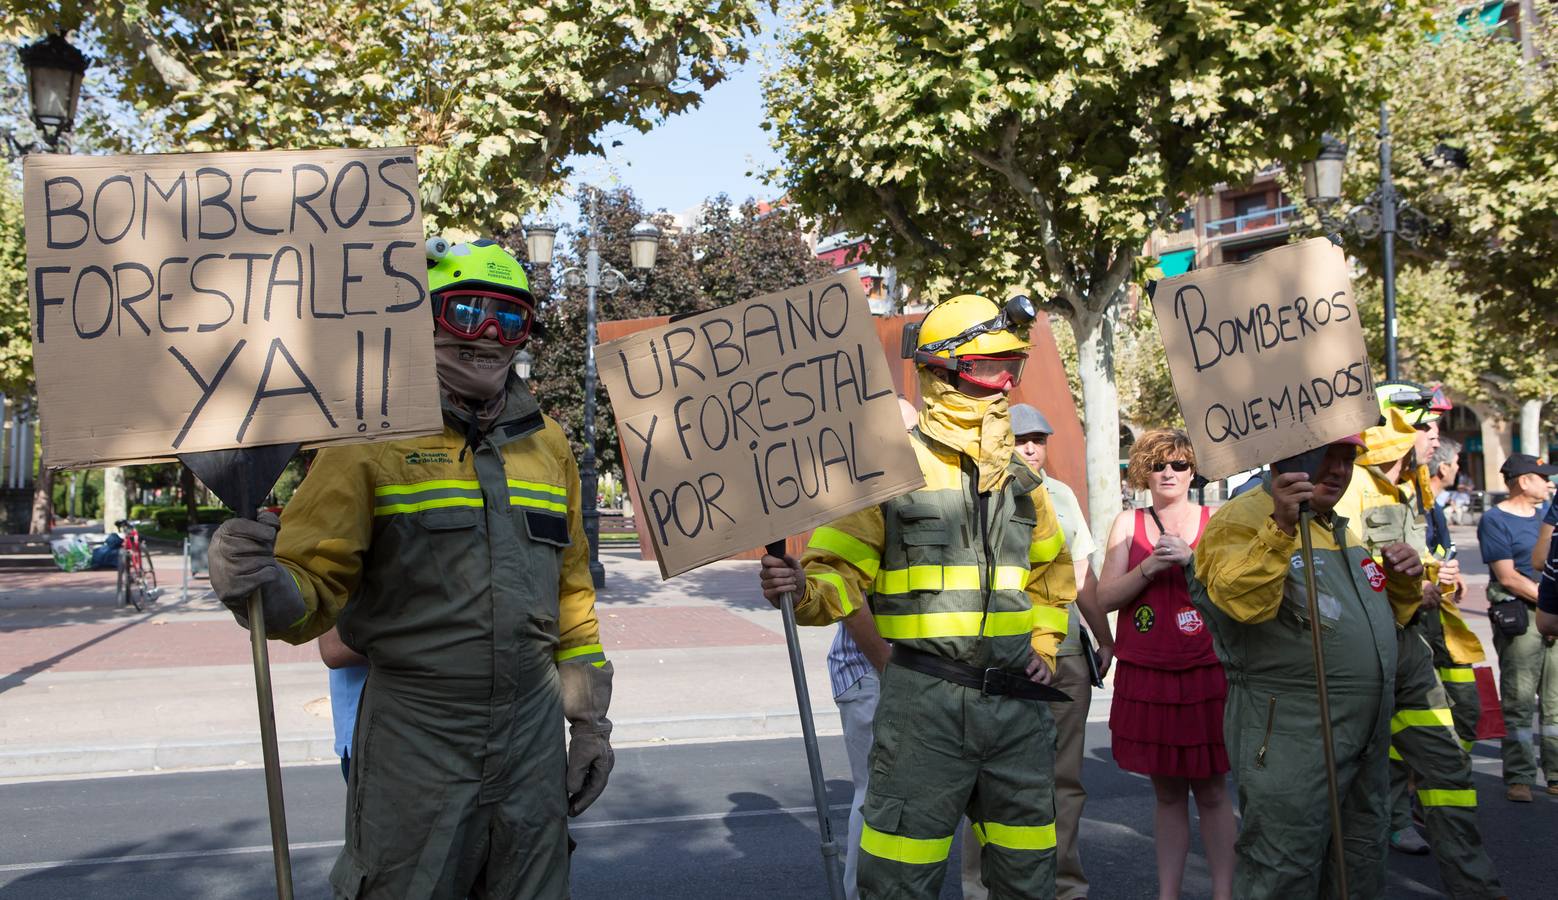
1267,356
746,424
205,301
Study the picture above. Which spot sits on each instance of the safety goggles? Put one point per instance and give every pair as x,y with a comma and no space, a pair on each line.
471,314
996,373
1178,465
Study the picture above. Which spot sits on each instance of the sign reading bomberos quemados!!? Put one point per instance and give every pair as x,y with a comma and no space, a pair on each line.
1267,356
205,301
748,424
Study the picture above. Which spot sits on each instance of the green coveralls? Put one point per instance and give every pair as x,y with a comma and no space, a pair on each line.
942,750
1423,739
1248,580
461,574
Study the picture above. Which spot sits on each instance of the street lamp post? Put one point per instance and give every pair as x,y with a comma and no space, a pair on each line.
54,72
1381,213
644,243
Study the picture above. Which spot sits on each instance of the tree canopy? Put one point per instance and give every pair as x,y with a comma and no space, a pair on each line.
497,96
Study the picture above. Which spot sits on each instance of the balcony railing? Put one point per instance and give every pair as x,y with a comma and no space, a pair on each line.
1254,221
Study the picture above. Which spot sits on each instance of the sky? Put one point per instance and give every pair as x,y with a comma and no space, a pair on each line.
695,155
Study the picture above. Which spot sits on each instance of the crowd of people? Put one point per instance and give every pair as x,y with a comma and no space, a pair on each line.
446,580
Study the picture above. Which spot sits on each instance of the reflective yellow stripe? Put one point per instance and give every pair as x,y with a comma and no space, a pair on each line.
1467,745
915,851
947,578
1458,675
390,490
1409,718
1016,837
426,504
533,503
837,581
953,624
1447,798
848,548
552,489
1052,617
1046,549
575,652
1396,754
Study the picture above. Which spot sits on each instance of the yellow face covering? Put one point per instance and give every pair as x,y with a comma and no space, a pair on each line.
979,428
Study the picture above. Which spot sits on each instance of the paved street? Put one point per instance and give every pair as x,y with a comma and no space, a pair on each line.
711,820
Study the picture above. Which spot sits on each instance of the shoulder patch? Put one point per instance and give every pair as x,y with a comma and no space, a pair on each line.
428,457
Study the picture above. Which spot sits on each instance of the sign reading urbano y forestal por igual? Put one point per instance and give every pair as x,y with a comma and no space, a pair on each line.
1267,356
205,301
747,424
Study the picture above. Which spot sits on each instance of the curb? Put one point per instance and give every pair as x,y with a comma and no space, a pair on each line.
54,762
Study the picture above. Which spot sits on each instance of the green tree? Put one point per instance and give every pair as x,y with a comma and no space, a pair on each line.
496,96
1002,143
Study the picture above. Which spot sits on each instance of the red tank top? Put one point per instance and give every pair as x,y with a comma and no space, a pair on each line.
1160,628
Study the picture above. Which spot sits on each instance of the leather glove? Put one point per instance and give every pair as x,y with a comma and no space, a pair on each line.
586,696
243,560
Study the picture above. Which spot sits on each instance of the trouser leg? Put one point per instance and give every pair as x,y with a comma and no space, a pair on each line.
1422,733
1071,678
920,782
1460,686
1362,777
1013,809
1520,661
857,707
1548,704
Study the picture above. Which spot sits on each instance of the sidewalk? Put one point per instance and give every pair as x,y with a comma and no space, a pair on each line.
88,688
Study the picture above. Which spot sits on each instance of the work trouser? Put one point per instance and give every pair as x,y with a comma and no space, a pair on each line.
1528,672
1423,736
1459,680
426,820
1274,743
943,751
857,708
1071,677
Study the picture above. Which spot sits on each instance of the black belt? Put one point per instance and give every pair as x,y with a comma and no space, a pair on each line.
995,682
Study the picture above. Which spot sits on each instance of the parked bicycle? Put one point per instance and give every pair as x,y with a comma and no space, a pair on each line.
137,581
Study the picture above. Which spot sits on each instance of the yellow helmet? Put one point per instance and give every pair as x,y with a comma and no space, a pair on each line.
973,338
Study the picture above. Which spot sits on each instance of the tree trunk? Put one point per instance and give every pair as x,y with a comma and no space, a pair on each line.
1531,428
1100,415
187,487
114,502
42,502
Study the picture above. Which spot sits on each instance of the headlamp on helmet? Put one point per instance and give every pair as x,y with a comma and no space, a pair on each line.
1420,405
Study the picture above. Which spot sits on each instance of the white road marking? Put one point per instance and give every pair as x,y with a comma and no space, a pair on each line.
331,845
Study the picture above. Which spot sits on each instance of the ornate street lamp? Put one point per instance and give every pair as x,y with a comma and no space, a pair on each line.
54,72
1380,214
643,242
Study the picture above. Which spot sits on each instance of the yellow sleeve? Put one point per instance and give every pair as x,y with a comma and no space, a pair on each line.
325,530
841,562
1244,565
578,629
1052,583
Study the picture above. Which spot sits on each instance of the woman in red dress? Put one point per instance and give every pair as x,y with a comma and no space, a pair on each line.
1169,688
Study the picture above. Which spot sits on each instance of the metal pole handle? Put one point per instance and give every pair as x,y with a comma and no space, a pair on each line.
830,847
280,853
1333,794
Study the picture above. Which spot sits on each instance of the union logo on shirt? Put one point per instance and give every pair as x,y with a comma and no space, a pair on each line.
1376,575
1189,620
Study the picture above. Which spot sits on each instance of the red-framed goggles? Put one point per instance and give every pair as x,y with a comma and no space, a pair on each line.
471,314
996,373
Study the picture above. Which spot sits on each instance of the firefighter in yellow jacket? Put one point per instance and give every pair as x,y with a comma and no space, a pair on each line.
1381,511
969,578
456,563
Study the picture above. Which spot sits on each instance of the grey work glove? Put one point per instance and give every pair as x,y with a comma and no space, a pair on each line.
243,560
586,696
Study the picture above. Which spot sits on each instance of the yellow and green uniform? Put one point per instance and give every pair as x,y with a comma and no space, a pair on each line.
942,750
1423,738
1248,580
462,574
1456,649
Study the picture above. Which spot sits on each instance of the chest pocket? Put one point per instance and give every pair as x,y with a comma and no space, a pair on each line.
924,532
1295,598
1385,525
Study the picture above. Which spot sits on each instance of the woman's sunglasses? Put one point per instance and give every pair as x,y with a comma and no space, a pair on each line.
1177,465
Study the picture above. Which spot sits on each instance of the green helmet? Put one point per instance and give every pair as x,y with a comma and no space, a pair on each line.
1420,404
480,265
